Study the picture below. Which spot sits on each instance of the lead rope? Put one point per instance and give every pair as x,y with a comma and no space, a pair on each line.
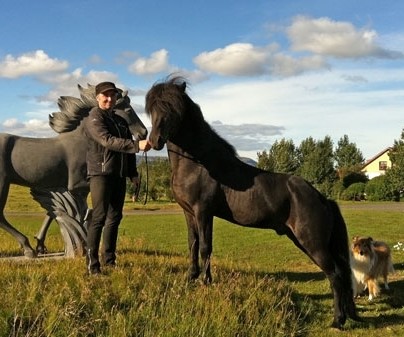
147,178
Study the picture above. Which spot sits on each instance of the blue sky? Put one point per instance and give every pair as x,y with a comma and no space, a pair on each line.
260,70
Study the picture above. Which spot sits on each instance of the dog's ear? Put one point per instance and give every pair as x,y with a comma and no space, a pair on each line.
370,239
355,239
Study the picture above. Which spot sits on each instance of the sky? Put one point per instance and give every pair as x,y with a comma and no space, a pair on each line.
260,70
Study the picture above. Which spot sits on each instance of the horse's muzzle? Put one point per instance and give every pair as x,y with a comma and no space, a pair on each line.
157,144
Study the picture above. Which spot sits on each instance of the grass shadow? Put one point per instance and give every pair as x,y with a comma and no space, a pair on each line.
398,266
149,252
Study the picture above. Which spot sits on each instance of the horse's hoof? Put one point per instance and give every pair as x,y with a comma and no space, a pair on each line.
193,275
192,279
336,325
41,249
207,280
30,254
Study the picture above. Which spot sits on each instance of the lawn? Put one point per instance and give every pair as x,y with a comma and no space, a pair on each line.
263,285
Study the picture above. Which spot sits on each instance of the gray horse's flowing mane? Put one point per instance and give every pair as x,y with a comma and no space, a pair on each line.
73,109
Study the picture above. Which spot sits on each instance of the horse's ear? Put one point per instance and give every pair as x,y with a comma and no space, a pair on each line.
124,93
183,86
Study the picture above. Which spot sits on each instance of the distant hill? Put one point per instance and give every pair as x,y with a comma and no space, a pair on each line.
248,161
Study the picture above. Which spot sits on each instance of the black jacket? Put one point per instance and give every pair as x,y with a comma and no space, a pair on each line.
111,149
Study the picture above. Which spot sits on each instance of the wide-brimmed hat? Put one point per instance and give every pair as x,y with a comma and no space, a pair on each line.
105,86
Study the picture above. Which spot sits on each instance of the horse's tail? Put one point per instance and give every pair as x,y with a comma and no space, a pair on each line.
341,252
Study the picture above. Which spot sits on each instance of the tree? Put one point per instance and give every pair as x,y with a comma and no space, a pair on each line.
306,148
395,174
158,175
347,156
349,162
316,161
282,157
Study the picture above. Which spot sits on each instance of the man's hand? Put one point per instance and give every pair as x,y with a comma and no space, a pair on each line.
144,145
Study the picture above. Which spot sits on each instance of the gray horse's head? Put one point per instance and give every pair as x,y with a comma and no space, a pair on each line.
73,110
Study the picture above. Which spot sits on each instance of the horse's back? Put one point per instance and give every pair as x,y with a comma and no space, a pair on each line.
260,201
30,162
274,200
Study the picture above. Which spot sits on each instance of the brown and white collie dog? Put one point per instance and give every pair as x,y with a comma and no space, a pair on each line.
369,261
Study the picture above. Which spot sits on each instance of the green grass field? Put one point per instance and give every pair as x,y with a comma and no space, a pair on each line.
263,285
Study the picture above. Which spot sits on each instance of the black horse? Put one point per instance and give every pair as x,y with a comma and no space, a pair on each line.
208,179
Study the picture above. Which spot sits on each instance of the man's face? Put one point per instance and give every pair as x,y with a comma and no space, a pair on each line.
107,99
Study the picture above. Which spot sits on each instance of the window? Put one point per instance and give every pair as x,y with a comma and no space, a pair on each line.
382,165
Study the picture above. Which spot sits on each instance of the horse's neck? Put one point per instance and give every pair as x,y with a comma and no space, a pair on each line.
191,142
201,146
76,135
177,152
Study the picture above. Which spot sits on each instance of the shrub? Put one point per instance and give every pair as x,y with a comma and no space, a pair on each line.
378,189
337,190
355,191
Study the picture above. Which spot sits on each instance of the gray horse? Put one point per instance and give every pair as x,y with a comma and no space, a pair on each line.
57,163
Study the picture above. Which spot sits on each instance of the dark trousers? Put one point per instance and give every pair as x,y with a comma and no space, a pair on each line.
107,197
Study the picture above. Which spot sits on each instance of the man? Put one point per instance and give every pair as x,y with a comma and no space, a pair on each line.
111,157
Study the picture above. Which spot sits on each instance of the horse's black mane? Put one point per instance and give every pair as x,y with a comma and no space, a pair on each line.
73,109
170,97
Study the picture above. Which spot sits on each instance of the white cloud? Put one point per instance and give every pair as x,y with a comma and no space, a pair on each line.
66,83
37,125
156,63
33,63
316,104
12,123
238,59
284,65
194,76
244,59
327,37
30,128
247,136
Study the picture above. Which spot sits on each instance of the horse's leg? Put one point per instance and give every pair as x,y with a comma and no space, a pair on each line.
21,238
340,250
318,229
337,270
4,224
199,241
321,256
205,227
193,245
334,271
41,235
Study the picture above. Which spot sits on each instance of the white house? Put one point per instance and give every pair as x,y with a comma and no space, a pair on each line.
377,165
